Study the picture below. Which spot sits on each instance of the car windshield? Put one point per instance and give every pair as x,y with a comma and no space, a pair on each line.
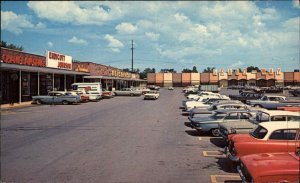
262,117
259,132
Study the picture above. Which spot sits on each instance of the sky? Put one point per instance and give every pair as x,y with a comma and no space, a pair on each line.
166,34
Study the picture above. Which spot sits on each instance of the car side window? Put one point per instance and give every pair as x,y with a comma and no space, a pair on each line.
278,118
283,135
244,116
293,118
232,116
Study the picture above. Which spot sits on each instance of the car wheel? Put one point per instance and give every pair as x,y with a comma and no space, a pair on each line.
65,102
38,102
215,132
257,106
131,94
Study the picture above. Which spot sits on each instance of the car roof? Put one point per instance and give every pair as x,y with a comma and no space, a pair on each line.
281,113
274,95
280,125
230,110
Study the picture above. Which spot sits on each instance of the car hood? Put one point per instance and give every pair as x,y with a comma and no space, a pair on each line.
271,163
241,138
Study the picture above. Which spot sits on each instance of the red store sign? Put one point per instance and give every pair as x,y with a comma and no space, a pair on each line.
20,58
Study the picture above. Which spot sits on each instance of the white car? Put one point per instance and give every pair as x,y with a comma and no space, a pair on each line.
153,94
170,88
197,96
198,103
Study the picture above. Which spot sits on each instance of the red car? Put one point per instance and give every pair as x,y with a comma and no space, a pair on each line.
270,167
290,108
106,93
267,137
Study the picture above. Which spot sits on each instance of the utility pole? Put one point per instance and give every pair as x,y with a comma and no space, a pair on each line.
132,55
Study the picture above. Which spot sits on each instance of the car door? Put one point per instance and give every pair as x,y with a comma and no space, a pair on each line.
243,125
283,140
230,119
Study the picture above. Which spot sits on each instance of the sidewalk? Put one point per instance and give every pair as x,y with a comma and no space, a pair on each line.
15,105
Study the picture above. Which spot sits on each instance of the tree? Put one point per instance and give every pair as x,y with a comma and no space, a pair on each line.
194,69
251,68
4,44
167,71
143,74
186,70
209,69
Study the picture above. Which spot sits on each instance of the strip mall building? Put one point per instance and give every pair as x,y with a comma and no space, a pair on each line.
224,79
24,75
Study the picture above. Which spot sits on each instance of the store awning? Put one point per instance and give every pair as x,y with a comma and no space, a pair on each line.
5,66
113,78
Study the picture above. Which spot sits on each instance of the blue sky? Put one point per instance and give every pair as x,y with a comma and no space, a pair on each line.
166,34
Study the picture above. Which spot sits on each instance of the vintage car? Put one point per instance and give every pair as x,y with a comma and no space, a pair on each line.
267,137
290,108
170,88
144,90
56,97
106,93
243,126
83,96
229,104
211,123
272,102
153,94
199,102
199,94
270,167
295,92
245,96
128,92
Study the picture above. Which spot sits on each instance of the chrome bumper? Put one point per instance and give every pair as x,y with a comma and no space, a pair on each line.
230,156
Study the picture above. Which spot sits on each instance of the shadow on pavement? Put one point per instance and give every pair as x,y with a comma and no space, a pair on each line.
219,142
195,133
227,165
187,124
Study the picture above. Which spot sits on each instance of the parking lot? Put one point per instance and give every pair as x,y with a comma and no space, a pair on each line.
123,139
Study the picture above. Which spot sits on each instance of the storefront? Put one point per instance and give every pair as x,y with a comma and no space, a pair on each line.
24,75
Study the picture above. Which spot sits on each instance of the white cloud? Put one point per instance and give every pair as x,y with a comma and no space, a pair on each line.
126,28
292,24
113,43
78,13
180,17
75,40
16,23
50,44
237,64
153,36
296,4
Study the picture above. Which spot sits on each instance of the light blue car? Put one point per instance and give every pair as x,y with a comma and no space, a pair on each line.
56,97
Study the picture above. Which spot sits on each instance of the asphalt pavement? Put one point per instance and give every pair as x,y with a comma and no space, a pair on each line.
118,140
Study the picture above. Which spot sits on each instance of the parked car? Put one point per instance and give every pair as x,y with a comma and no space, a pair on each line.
106,93
245,96
274,89
144,90
127,92
243,126
217,106
267,137
272,102
56,97
153,94
211,123
290,108
170,88
192,104
83,96
270,167
295,92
